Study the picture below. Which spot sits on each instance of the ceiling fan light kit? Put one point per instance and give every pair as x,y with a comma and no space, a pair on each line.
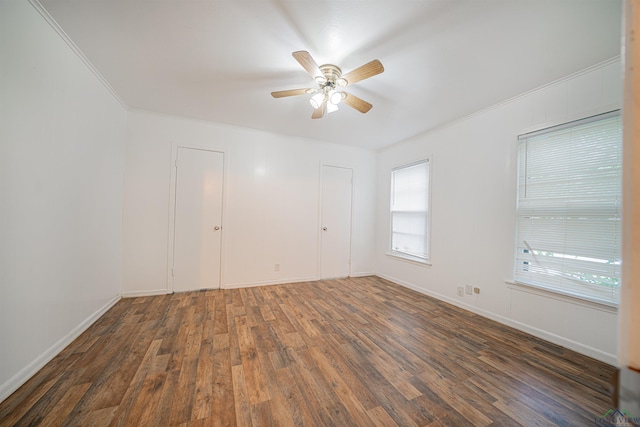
331,81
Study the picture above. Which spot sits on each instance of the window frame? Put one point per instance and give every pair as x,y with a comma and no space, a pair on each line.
565,290
404,256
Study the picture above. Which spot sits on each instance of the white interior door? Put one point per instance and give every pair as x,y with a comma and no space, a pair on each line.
198,219
335,234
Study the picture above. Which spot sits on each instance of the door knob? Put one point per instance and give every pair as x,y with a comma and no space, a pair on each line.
324,228
216,228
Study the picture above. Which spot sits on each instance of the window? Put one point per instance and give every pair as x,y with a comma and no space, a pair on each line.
410,211
569,208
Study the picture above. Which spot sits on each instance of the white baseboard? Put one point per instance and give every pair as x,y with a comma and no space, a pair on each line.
362,274
28,371
600,355
269,282
135,294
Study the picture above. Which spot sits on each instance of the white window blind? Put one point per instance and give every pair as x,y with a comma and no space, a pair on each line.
409,210
569,208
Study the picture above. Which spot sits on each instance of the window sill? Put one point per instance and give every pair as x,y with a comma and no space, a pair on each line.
565,296
409,258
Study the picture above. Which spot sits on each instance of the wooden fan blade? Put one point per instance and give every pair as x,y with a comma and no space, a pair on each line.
308,63
319,112
291,92
369,69
356,103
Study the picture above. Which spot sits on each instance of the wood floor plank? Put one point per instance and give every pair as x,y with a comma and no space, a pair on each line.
346,395
241,397
127,409
261,415
24,399
380,418
204,374
398,408
317,392
276,409
560,390
98,418
52,398
168,386
341,366
343,352
65,405
235,358
253,372
185,388
222,393
292,398
173,346
142,410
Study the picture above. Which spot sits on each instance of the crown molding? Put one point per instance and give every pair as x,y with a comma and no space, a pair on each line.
58,29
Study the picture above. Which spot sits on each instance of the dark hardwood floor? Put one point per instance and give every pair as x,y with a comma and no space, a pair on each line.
359,351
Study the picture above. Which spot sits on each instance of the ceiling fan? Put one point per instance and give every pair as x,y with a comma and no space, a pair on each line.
330,82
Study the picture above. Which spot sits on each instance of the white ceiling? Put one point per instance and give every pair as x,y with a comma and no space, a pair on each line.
218,60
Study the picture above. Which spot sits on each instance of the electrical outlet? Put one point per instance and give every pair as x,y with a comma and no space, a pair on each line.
469,289
476,290
276,267
460,291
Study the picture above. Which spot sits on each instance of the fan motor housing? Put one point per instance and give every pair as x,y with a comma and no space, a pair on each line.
331,72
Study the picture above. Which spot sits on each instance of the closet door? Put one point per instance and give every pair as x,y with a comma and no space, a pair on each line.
198,219
335,234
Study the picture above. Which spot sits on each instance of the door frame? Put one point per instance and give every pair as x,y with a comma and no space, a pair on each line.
320,201
172,204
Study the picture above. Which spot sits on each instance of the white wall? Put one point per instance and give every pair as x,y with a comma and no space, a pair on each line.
473,213
270,208
61,175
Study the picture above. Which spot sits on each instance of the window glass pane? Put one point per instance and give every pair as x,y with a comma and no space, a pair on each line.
409,213
409,231
410,188
569,203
